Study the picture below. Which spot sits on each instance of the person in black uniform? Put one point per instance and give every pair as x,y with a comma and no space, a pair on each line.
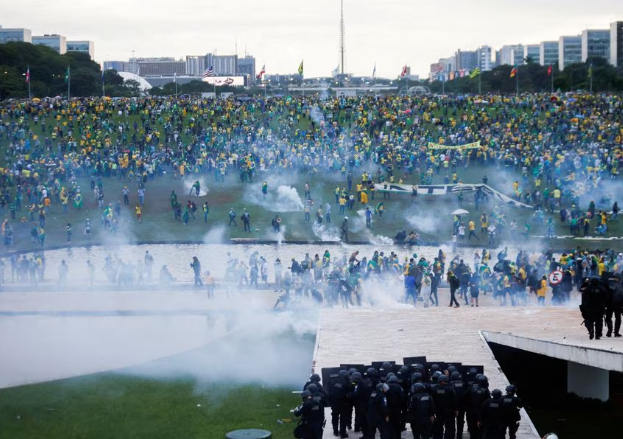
492,417
512,404
614,305
362,389
593,307
311,413
460,388
377,413
339,408
421,412
476,396
395,401
445,409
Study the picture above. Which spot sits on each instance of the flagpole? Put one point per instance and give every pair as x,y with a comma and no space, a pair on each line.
517,81
590,72
29,94
103,86
552,80
480,82
68,81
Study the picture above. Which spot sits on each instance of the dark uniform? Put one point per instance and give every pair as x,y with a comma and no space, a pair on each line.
421,412
593,307
476,396
362,389
377,413
445,409
395,402
614,305
338,393
460,388
492,417
512,404
311,412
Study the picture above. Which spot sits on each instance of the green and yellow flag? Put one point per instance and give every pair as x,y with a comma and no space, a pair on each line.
474,73
301,69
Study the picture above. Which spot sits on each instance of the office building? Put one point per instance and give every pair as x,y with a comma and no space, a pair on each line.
548,53
53,41
595,44
195,65
82,46
120,66
569,50
246,67
224,65
511,55
449,64
532,51
17,34
466,59
616,44
484,58
157,66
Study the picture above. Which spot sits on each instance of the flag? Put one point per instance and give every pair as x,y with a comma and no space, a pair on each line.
336,71
301,69
514,72
590,71
404,71
67,73
175,76
210,72
259,75
549,71
102,76
28,75
374,71
474,73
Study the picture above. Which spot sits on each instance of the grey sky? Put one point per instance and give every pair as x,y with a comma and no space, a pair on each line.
279,33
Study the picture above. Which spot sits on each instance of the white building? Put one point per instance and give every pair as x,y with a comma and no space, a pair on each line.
511,55
195,65
82,46
595,43
569,50
17,34
548,53
225,64
484,58
53,41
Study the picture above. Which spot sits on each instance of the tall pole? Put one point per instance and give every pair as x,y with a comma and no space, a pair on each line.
342,37
443,85
29,94
552,80
480,82
517,81
68,81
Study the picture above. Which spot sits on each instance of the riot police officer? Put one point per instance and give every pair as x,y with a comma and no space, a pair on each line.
446,406
512,404
476,396
311,413
593,307
614,305
421,412
395,402
377,413
460,388
492,417
338,393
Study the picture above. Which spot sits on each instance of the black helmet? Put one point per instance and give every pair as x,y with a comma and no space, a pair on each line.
312,388
392,379
372,372
404,370
511,388
473,371
417,376
356,376
418,387
306,394
451,369
482,381
443,379
496,393
379,387
387,366
352,370
456,375
314,378
343,374
418,367
434,368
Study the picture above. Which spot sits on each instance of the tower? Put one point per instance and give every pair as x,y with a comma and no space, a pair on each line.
342,37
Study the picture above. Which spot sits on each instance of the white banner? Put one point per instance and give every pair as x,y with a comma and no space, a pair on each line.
234,81
474,145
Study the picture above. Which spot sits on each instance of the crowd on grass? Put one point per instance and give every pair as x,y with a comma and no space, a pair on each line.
563,147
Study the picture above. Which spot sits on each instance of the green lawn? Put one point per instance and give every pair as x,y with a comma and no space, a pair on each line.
120,406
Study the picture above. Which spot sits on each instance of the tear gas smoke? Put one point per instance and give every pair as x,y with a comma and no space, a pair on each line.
284,199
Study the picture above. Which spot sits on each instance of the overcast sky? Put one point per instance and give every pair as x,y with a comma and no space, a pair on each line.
280,33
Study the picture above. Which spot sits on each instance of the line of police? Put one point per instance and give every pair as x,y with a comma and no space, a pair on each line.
435,403
602,299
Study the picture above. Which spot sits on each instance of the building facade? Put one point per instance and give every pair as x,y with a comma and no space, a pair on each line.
195,65
120,66
157,66
82,46
595,44
16,34
511,55
616,43
532,51
224,65
466,59
484,58
548,53
246,67
569,50
56,42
